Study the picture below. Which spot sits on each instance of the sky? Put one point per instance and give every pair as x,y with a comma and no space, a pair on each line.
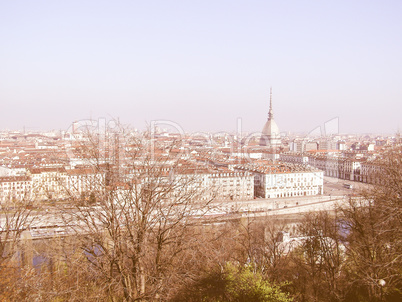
202,64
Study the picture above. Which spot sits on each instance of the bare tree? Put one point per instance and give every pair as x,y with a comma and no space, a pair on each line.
375,234
139,224
319,258
15,220
258,242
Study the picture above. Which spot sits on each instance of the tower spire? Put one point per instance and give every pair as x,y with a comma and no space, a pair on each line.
270,113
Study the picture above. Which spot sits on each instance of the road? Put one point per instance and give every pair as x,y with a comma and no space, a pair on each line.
335,186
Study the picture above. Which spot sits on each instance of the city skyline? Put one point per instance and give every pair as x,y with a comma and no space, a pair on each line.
202,65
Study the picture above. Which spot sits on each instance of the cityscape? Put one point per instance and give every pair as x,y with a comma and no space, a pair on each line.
57,179
190,151
264,164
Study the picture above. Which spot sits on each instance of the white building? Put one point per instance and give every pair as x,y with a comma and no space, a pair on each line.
15,188
4,171
48,183
84,180
272,180
231,185
217,183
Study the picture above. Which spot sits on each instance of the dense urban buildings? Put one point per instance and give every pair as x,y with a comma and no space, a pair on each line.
47,166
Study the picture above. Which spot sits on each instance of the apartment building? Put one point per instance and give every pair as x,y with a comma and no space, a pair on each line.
15,188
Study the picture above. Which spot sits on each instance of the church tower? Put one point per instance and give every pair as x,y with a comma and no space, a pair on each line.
271,136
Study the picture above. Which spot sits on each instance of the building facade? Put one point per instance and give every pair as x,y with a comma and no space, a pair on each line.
277,180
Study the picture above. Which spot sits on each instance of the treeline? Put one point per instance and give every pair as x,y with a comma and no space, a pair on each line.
351,255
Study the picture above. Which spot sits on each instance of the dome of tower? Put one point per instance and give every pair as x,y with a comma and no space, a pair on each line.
270,134
271,129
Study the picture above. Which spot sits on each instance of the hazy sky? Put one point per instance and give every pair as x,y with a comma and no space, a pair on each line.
202,64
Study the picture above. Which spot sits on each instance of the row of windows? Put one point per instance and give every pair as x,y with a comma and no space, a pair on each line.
15,183
291,194
16,187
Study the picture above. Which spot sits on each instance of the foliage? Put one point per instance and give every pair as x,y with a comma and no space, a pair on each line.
233,283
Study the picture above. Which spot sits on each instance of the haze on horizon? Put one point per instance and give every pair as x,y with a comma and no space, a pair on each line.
202,64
